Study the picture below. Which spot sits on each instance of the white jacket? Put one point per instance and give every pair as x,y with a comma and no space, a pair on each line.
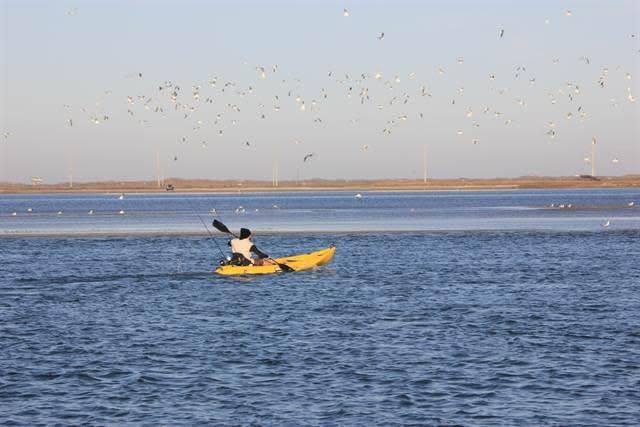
242,246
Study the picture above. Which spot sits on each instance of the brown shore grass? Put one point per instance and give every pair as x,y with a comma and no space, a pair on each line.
202,185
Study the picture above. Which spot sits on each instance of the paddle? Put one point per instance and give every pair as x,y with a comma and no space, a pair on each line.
223,228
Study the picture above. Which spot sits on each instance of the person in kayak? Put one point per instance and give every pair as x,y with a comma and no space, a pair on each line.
243,247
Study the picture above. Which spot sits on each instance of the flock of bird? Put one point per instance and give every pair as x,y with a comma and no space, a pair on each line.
219,106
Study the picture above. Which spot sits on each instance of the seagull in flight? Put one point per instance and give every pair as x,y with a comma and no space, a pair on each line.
307,157
381,36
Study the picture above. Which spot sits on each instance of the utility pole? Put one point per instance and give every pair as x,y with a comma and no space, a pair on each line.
163,173
70,170
4,176
424,164
593,157
158,168
274,181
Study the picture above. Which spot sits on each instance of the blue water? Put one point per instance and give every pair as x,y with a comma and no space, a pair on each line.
320,212
473,309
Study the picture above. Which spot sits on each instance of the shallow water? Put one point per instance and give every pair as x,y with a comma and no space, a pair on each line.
474,327
320,211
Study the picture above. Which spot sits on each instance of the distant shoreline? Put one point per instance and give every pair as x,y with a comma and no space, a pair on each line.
208,186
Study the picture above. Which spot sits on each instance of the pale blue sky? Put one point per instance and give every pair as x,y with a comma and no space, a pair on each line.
78,60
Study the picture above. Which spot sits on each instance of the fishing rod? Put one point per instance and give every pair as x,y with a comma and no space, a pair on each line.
207,228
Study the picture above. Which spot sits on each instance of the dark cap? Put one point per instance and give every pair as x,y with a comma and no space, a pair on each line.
244,233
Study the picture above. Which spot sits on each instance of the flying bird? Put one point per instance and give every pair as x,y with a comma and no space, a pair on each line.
381,36
345,12
501,32
307,157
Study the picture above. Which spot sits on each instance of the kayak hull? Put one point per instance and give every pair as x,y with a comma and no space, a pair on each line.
296,263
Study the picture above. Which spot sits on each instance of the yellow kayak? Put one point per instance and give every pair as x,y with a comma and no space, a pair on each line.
296,263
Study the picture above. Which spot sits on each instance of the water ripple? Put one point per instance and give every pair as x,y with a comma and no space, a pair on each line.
480,328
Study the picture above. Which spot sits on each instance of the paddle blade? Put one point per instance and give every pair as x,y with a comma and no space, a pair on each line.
220,226
285,267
